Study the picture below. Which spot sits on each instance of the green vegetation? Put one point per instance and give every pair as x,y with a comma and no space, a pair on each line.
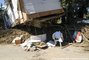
75,8
59,21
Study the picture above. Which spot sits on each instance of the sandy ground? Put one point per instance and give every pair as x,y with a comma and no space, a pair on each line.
10,52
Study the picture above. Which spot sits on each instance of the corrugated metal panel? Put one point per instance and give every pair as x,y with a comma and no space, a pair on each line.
34,6
14,3
11,18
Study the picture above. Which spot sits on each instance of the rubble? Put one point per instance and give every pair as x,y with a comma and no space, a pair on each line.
6,36
10,34
40,45
51,44
34,42
17,40
41,37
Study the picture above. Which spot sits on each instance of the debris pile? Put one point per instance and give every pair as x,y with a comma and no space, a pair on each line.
85,37
51,44
32,43
17,40
6,36
39,41
85,31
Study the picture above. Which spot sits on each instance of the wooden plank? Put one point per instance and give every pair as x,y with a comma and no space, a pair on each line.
24,15
50,18
45,13
18,12
37,22
20,20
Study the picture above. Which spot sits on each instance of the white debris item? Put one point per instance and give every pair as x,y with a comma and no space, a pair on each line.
85,21
17,40
38,38
28,43
51,44
57,37
29,40
41,37
26,46
77,36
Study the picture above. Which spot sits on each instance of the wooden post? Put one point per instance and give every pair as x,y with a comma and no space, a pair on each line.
24,15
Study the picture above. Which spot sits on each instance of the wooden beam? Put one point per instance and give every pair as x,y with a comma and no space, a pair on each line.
24,15
37,22
45,13
50,18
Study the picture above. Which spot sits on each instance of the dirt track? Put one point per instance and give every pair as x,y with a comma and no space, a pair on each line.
10,52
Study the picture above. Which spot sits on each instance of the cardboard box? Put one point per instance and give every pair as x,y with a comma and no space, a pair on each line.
17,42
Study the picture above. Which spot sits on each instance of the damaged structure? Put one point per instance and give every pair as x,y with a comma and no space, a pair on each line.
21,11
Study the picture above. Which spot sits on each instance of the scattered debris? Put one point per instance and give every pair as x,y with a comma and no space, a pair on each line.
34,42
17,40
33,48
41,37
40,45
27,46
51,44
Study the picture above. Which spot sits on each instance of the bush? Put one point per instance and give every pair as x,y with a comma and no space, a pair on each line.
87,16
